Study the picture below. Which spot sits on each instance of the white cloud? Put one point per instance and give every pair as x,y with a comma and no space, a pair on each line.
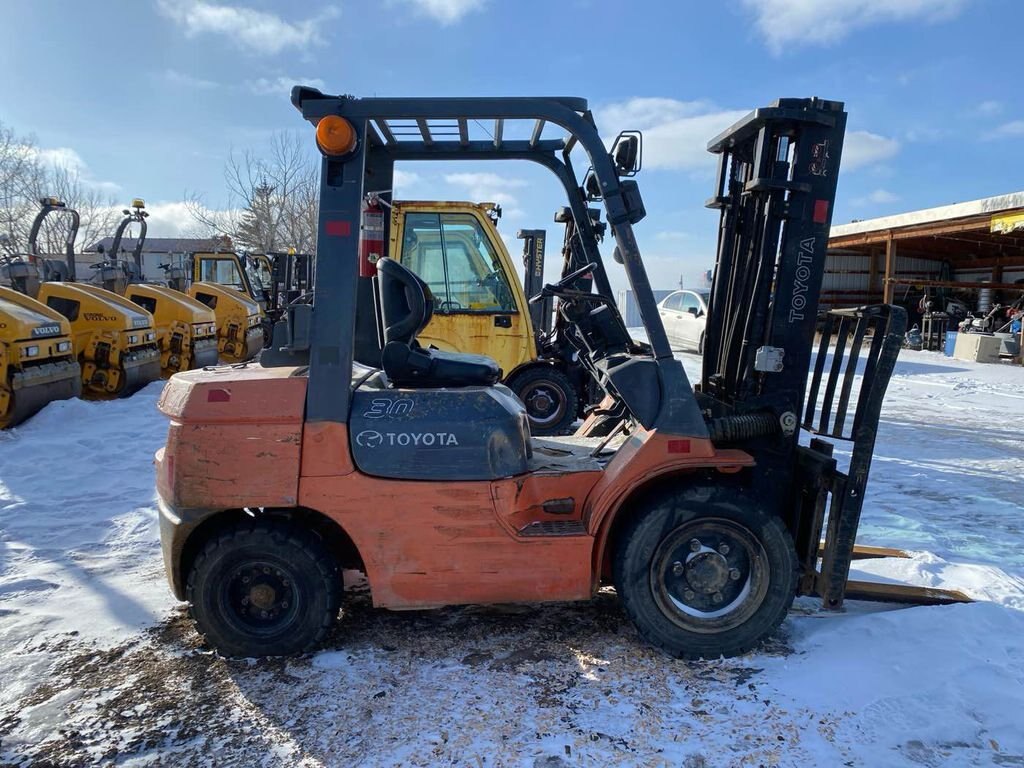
183,80
445,11
990,107
795,23
863,148
257,31
1010,130
61,157
878,197
401,181
489,188
172,219
65,158
276,86
676,133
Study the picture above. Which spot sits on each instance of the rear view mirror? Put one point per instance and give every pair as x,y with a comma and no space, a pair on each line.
627,153
693,311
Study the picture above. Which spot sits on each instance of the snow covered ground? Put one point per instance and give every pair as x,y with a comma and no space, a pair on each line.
99,665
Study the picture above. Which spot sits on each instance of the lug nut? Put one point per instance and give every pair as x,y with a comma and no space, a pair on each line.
717,597
695,545
284,583
245,601
245,579
723,549
734,574
284,604
266,569
677,568
263,614
688,594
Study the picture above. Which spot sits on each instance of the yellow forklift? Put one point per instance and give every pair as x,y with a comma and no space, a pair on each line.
113,339
186,329
220,281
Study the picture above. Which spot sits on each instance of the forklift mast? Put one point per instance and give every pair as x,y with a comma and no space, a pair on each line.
533,280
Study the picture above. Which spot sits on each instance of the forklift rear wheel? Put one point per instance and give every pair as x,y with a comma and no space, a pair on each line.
703,581
264,588
550,399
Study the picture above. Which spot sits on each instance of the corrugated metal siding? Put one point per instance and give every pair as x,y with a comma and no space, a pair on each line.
630,311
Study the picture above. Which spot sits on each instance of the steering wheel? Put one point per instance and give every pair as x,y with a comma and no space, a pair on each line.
565,282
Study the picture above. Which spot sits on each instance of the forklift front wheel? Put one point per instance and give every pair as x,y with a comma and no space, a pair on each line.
264,588
550,399
705,582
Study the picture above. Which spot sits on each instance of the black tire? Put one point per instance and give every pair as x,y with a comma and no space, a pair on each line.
670,588
282,571
549,396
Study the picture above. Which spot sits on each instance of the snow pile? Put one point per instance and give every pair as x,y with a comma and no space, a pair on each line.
97,664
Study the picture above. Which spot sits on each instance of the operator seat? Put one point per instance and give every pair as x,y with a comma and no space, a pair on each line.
405,305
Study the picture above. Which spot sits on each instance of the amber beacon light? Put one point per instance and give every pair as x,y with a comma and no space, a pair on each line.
335,135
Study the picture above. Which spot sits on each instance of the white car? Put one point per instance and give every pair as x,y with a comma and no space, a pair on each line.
684,314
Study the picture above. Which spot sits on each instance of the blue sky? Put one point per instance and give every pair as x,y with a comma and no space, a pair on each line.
147,99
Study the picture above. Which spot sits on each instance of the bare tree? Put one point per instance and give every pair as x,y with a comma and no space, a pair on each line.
98,211
21,175
272,198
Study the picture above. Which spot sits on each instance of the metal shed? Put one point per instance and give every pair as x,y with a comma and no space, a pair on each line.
968,246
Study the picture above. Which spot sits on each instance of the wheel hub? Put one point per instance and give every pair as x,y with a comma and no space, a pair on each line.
709,575
261,597
707,572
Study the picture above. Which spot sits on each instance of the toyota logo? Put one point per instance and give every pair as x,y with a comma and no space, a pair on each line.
369,438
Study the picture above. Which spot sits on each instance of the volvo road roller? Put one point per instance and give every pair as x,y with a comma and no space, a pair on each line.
37,359
186,329
113,339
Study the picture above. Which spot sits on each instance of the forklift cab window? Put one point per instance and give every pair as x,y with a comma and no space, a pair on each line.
453,254
223,272
259,274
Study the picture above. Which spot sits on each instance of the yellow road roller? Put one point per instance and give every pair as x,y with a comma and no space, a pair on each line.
37,358
186,329
219,281
113,339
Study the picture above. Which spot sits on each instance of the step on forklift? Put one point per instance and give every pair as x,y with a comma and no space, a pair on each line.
186,330
701,505
113,339
220,281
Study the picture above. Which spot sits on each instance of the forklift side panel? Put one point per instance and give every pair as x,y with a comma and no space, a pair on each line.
223,450
429,544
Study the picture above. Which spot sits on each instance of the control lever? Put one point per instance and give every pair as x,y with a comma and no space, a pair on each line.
565,282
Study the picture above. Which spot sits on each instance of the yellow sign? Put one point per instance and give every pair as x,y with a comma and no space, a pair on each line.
1006,223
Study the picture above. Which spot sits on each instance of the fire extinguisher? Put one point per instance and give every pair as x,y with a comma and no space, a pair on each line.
371,236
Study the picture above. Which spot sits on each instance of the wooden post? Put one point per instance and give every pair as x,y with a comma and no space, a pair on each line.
890,269
872,273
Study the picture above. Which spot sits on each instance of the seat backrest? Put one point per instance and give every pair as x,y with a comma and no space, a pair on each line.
405,302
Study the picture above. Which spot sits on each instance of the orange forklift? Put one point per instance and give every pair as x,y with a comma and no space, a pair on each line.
700,504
